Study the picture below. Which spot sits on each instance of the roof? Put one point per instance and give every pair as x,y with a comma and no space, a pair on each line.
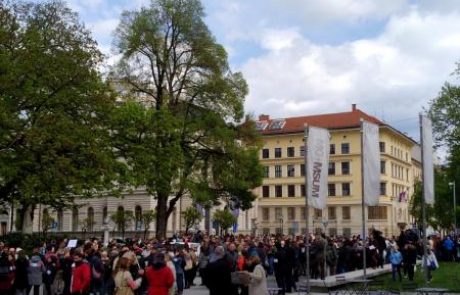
344,120
329,121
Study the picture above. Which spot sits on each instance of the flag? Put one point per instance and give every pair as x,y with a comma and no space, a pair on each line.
402,196
317,166
371,163
427,159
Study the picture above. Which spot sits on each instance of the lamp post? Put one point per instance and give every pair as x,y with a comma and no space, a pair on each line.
455,206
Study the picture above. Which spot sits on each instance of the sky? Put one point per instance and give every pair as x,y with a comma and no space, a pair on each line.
305,57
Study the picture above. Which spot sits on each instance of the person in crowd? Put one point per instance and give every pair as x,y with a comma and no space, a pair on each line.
448,247
21,282
409,259
35,273
170,264
431,262
160,277
124,283
7,273
218,274
258,281
396,260
81,275
50,274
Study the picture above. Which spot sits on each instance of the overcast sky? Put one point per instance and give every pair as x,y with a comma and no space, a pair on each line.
303,57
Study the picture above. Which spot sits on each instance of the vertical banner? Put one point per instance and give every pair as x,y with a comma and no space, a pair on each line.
317,166
427,160
371,163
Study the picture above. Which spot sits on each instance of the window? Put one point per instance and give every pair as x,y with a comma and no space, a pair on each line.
302,169
331,189
278,171
331,169
345,148
60,219
291,190
303,213
346,232
407,174
291,213
266,214
277,152
302,190
138,218
332,232
302,151
332,149
345,168
105,215
382,167
75,219
331,213
382,146
266,171
292,231
265,153
90,225
407,157
345,189
290,170
383,188
346,213
265,231
278,213
278,191
265,191
290,151
377,212
318,213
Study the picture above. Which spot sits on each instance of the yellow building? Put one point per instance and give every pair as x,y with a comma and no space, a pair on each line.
281,199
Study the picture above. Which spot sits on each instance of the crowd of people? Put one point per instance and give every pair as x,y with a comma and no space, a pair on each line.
227,265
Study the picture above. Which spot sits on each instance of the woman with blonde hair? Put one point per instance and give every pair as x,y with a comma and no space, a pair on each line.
124,283
257,278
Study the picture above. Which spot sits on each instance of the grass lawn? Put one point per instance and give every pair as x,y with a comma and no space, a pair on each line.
446,276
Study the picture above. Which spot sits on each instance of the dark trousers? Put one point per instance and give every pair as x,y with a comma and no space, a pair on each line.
396,268
36,289
409,268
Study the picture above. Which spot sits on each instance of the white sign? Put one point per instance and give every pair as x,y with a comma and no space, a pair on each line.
317,166
371,163
72,244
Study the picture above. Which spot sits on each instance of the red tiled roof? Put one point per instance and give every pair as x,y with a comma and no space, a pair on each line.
330,121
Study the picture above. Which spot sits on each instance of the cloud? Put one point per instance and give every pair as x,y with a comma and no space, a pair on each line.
392,75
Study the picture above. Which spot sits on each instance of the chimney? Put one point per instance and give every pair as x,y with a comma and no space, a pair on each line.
263,117
353,107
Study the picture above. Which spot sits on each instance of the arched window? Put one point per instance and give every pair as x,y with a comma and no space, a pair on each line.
138,217
90,219
75,219
60,220
120,218
104,215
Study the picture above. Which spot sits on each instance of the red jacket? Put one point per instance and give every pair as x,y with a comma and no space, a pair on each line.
160,280
81,278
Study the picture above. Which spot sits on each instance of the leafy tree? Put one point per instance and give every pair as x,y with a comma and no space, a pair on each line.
224,218
180,126
46,222
54,107
85,225
147,218
191,217
123,220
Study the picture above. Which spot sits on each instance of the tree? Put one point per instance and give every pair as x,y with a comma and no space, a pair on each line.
123,220
47,223
147,218
54,109
191,217
180,126
85,225
224,218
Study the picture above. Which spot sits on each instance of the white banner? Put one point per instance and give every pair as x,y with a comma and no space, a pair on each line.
317,166
371,163
427,160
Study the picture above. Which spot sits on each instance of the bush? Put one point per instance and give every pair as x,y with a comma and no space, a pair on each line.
28,241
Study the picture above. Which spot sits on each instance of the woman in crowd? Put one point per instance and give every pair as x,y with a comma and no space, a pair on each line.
35,271
160,277
258,281
124,283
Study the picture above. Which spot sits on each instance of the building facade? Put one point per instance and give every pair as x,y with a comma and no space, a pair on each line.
281,199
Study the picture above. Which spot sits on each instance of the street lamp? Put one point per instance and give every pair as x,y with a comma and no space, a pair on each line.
455,206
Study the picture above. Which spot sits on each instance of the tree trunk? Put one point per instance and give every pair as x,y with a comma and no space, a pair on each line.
27,221
161,217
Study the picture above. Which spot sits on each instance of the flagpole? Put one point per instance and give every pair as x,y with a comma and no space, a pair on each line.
363,208
425,266
307,214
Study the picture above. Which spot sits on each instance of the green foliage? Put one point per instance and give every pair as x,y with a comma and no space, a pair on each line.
180,126
191,217
123,220
54,108
147,218
224,218
46,222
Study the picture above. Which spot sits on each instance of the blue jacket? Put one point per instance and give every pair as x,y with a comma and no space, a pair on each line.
396,258
448,244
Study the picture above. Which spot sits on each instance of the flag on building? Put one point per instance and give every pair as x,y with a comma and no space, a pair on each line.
371,163
317,166
427,159
402,197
